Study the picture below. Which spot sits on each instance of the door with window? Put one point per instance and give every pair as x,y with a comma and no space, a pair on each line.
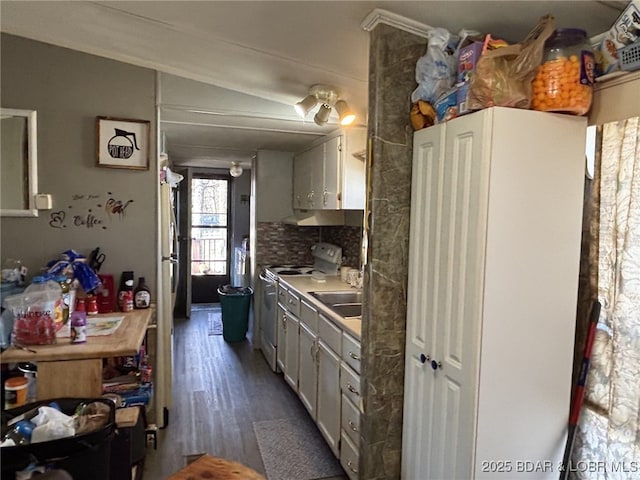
210,234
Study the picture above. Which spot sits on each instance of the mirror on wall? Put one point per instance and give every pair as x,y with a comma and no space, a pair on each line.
18,163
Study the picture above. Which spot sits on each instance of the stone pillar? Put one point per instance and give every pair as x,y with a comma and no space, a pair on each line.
392,59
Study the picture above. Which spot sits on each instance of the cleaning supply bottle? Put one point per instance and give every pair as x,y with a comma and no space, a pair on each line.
79,323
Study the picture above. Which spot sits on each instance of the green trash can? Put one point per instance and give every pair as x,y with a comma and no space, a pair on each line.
235,303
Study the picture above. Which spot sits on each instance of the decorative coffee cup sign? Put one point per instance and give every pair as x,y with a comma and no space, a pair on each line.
123,143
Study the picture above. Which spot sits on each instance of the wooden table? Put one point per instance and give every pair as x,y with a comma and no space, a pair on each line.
75,370
214,468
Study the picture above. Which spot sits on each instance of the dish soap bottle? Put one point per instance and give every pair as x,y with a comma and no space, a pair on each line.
141,295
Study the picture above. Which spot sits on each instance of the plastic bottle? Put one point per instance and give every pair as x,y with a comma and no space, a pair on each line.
564,80
79,323
48,285
20,434
66,296
125,293
142,295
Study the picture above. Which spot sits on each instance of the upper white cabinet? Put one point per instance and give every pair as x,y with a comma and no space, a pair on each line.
496,213
328,176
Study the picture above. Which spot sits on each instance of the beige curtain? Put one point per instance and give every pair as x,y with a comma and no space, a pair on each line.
608,439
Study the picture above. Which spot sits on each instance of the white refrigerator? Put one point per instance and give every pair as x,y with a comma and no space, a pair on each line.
167,283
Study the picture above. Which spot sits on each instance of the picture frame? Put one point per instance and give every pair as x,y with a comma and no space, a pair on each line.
122,143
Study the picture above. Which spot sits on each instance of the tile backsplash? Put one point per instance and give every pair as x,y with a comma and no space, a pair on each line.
281,243
346,237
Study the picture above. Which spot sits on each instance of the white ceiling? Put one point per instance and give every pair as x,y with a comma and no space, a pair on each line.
248,62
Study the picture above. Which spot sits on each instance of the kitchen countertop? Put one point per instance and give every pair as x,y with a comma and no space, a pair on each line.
305,284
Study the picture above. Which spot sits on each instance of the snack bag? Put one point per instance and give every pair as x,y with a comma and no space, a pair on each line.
503,76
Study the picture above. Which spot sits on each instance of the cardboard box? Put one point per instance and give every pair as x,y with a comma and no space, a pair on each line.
467,59
624,31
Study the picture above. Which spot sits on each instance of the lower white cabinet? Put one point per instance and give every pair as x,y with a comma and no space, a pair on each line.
328,409
290,370
349,457
282,336
308,369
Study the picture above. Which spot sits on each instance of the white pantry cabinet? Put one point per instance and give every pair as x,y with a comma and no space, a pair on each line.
328,176
496,211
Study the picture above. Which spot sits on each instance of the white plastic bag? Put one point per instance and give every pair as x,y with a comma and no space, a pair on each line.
435,70
51,424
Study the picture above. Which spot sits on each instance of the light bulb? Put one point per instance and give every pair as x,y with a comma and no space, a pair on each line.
235,170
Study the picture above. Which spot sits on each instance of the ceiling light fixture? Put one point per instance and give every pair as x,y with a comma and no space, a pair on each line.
323,114
328,98
345,113
235,170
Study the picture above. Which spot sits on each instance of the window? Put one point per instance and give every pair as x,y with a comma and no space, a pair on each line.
209,226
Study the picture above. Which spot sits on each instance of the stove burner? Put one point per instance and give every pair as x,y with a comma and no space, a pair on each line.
275,266
289,272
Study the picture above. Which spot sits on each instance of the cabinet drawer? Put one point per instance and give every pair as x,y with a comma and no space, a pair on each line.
309,315
351,351
349,456
282,295
350,383
293,303
330,333
350,420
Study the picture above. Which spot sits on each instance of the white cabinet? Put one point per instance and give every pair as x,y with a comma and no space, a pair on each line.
290,369
328,176
308,368
282,336
496,212
328,408
308,178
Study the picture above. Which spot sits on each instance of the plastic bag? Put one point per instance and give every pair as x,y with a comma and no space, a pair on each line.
34,322
51,424
503,76
435,70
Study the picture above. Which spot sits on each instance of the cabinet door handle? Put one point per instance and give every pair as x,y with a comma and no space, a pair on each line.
284,322
350,465
352,389
424,358
324,197
354,356
436,365
353,426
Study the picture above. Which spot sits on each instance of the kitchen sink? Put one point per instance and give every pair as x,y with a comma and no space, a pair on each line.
336,297
347,303
347,309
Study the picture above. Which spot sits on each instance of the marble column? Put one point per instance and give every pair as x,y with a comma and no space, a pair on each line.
392,59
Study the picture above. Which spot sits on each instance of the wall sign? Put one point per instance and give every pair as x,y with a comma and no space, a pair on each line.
123,143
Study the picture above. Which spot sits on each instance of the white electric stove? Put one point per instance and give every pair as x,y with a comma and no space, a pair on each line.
327,260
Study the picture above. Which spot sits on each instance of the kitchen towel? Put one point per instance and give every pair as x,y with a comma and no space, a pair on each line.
294,449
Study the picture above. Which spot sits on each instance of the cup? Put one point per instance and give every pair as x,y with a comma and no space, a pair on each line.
352,277
344,274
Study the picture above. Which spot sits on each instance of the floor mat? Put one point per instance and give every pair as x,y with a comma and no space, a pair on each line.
291,448
215,323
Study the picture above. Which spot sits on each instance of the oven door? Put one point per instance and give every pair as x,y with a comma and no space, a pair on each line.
268,320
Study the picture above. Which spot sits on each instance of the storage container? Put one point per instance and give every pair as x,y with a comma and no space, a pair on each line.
564,81
85,456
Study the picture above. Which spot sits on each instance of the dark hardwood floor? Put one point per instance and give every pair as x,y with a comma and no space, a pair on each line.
219,390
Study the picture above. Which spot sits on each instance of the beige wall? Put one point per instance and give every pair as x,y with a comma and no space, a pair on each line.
69,90
616,99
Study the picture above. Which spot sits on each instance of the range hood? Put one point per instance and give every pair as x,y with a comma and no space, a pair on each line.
315,218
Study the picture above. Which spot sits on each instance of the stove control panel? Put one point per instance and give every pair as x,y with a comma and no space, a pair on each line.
328,257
